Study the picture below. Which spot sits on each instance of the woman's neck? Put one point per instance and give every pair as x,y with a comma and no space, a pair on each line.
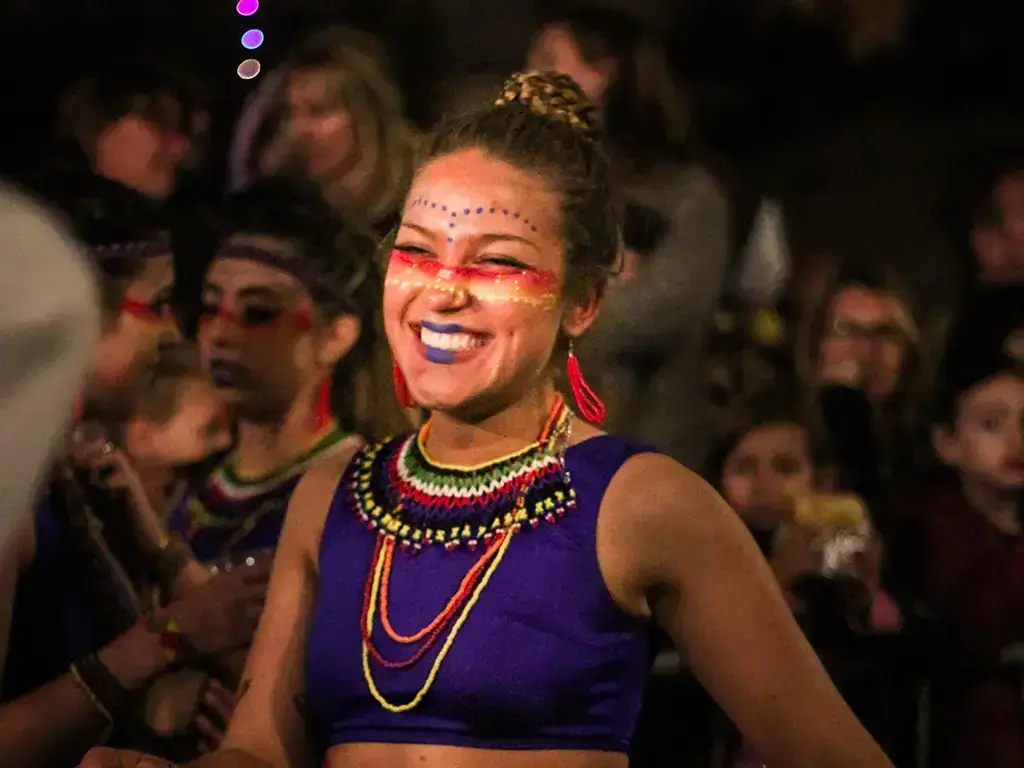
455,440
1000,506
263,448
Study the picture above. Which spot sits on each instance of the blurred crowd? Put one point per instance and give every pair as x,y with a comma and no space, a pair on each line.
872,443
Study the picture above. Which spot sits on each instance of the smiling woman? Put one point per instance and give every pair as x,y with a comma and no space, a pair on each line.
479,592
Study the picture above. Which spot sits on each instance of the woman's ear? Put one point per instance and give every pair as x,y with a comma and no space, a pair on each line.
582,310
338,338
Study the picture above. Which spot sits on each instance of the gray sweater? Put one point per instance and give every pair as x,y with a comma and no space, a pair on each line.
644,354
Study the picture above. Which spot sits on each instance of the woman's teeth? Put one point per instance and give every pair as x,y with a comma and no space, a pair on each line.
454,342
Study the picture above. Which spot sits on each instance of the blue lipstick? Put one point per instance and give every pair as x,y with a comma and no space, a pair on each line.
441,356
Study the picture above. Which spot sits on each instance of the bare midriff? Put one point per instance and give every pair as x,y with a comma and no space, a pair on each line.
422,756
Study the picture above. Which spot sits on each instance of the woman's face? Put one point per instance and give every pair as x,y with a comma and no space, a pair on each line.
322,129
872,328
198,429
767,463
256,335
555,49
143,324
473,300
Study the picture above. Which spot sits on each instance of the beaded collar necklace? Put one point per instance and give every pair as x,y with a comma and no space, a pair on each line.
398,490
411,502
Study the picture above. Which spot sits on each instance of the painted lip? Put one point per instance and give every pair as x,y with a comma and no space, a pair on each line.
443,327
444,356
227,374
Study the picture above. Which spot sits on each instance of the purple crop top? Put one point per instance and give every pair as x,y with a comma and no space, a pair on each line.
546,659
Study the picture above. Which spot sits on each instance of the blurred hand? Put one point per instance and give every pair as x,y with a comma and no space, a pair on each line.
216,708
108,466
222,613
796,551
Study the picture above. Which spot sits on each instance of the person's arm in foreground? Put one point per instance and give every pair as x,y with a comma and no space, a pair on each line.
709,587
268,728
60,721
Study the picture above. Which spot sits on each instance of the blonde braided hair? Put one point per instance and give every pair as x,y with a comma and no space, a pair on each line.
552,95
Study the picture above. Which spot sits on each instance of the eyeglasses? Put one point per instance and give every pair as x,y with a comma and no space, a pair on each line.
885,332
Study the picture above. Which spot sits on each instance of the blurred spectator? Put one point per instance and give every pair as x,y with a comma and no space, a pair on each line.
985,220
646,346
78,661
134,125
334,115
971,548
775,471
859,348
49,321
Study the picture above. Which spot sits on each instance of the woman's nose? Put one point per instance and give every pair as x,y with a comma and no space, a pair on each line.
447,295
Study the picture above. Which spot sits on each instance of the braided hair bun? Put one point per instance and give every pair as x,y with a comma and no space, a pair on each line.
552,95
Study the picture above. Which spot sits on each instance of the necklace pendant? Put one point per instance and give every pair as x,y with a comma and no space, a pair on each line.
472,544
449,546
534,522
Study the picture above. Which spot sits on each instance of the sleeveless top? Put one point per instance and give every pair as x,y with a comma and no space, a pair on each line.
545,660
224,517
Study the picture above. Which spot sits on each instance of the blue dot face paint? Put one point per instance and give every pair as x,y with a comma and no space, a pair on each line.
484,278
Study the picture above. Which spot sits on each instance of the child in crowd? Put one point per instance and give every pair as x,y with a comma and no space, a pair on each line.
167,421
969,530
775,471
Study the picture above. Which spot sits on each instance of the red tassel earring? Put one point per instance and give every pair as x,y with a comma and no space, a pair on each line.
402,388
590,405
323,415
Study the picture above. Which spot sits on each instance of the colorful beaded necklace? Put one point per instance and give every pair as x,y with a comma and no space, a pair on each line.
411,502
225,485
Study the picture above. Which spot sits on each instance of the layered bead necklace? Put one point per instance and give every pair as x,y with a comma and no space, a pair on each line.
411,502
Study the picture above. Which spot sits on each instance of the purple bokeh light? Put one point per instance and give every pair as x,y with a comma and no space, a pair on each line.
247,7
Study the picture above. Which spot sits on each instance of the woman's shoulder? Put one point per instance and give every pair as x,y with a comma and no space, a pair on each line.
322,478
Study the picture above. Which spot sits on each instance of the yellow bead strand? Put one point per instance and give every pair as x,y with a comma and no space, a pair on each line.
432,676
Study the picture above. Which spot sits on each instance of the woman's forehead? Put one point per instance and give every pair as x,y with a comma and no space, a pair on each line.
469,188
234,275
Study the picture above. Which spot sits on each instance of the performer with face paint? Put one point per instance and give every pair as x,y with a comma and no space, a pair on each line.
479,593
288,307
79,649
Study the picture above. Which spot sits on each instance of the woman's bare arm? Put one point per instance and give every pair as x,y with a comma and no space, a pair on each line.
708,585
268,729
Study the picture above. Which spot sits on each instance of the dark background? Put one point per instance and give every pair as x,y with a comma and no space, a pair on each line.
856,140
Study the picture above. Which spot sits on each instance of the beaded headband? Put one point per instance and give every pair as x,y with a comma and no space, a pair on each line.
112,254
333,288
